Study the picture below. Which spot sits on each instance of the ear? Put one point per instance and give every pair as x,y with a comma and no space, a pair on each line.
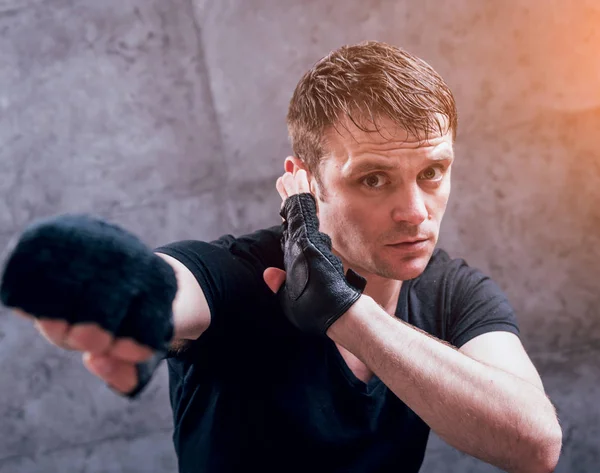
293,164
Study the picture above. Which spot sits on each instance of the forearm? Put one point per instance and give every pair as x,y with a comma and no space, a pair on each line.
480,410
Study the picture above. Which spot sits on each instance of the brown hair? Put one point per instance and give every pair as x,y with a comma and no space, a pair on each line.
364,82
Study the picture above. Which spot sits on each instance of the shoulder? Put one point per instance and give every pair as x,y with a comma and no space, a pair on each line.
229,271
262,247
471,302
454,282
264,236
456,273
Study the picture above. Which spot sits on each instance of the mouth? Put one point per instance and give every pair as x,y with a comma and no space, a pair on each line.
410,245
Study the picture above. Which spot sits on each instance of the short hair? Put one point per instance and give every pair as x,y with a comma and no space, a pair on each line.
363,83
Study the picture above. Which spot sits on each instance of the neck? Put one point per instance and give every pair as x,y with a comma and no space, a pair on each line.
383,291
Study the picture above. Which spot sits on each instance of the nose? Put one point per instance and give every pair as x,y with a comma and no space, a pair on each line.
410,206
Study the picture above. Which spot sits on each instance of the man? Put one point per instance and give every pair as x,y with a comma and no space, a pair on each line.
325,372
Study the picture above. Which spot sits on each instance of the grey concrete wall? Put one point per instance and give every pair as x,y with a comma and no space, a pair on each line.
168,118
105,107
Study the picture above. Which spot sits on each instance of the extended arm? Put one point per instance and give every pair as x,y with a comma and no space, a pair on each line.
92,286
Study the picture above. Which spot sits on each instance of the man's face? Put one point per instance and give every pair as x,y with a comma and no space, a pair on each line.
385,196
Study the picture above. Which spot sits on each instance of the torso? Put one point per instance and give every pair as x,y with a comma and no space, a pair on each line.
360,370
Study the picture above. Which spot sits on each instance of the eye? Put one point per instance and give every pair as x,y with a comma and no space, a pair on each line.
374,181
434,173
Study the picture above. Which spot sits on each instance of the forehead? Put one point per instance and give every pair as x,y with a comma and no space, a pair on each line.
349,142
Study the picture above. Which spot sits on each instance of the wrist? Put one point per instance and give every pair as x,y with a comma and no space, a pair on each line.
353,323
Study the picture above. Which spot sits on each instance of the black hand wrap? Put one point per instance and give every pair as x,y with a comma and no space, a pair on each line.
81,269
315,293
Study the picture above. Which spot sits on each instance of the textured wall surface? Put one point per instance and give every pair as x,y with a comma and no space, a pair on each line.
168,118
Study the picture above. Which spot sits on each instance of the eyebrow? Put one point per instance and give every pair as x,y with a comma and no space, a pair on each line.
385,165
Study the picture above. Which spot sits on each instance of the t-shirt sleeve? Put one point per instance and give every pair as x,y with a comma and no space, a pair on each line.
229,272
477,306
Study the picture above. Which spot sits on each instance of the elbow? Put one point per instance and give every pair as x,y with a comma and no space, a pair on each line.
547,448
551,449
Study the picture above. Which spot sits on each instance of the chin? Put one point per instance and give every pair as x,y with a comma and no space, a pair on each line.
405,268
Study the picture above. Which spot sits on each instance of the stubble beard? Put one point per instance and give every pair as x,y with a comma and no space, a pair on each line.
396,269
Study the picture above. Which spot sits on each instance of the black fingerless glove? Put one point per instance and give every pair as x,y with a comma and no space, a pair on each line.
81,269
315,293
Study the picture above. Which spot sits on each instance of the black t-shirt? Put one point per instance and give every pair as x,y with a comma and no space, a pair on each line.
255,394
